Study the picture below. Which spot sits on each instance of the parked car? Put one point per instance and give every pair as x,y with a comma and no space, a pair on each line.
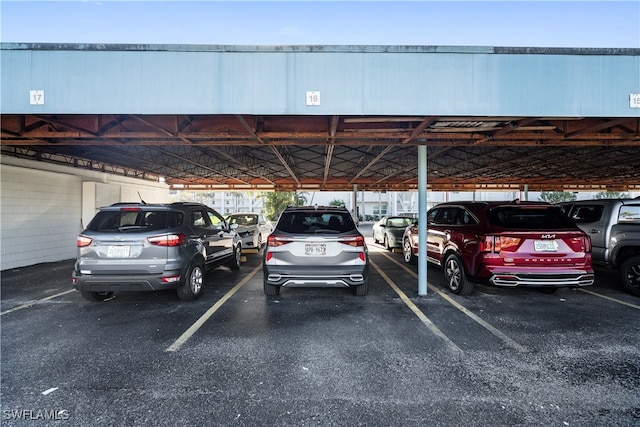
316,246
614,228
389,231
505,243
148,247
253,228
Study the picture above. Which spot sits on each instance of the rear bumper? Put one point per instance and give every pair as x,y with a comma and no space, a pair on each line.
536,280
126,283
332,277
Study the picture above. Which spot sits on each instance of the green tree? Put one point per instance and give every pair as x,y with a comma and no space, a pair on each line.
337,202
612,195
275,202
557,196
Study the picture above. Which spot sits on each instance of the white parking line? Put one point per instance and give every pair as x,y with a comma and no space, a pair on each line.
450,344
508,341
610,299
31,303
198,323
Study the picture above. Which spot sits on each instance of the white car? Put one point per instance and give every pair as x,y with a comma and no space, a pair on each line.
389,230
253,228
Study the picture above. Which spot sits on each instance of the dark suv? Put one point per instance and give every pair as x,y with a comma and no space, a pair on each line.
505,243
148,247
316,246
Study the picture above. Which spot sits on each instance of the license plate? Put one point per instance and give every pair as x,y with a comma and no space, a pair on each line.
545,245
118,251
315,249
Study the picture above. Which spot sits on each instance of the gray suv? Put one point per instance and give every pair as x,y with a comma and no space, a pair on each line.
148,247
316,246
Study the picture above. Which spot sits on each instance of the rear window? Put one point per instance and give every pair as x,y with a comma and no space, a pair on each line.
583,214
297,222
110,221
399,222
629,213
529,218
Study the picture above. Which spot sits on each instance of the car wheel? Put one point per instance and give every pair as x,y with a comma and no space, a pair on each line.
455,276
96,296
630,275
407,251
236,258
271,290
260,242
192,286
362,290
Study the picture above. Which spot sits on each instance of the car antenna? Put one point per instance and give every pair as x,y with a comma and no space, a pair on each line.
141,201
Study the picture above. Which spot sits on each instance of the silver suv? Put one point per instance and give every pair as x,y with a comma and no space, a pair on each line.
316,246
148,247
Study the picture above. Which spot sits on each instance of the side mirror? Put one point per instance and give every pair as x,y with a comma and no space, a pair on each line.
233,226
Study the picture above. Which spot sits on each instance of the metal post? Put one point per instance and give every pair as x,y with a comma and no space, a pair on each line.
355,203
422,220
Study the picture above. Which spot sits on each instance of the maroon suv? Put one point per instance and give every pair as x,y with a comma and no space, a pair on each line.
505,243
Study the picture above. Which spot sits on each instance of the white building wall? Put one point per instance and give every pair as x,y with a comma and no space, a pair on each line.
42,211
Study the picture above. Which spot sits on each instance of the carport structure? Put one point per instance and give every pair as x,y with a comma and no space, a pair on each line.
329,118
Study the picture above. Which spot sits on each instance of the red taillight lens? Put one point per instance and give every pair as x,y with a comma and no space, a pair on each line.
354,241
167,240
83,241
488,244
277,241
500,243
130,209
508,244
587,243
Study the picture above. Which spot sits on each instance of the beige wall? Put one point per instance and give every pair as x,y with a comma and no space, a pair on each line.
43,207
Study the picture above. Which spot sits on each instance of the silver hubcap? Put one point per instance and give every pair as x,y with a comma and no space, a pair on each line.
453,271
407,251
196,280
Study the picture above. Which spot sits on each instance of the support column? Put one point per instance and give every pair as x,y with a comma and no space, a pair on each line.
422,220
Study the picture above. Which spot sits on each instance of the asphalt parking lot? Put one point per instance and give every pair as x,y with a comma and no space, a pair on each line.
318,357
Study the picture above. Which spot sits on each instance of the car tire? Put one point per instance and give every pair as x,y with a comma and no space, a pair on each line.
236,258
362,290
455,276
630,275
191,288
271,290
260,242
407,252
96,296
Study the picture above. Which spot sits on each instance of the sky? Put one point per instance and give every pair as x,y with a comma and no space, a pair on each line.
581,24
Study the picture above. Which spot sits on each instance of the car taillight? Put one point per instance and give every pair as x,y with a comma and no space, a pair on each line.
488,243
277,240
354,241
130,209
587,243
167,240
500,243
83,241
